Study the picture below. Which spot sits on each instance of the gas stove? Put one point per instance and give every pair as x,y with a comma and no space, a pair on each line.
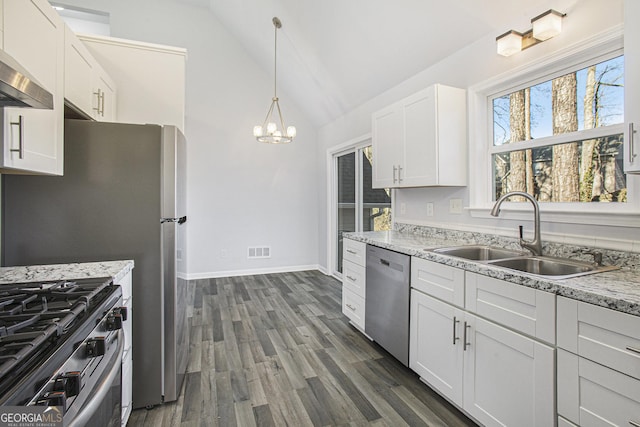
53,338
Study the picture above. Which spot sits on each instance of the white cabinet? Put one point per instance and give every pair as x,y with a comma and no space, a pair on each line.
598,364
435,335
32,139
127,357
353,281
632,86
421,140
484,355
88,88
151,87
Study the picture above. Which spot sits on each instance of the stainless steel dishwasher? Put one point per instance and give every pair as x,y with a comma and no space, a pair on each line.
387,301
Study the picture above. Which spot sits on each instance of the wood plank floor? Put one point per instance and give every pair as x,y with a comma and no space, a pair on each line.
275,350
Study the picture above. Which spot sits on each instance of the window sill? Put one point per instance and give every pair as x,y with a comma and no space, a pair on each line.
614,216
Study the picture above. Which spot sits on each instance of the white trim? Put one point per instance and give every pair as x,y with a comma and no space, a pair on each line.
253,272
132,44
345,147
600,45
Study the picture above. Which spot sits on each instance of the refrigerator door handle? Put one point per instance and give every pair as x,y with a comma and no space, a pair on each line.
180,220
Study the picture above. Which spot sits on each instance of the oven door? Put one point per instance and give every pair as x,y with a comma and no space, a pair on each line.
102,405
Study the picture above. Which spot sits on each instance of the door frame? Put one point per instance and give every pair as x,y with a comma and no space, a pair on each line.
333,153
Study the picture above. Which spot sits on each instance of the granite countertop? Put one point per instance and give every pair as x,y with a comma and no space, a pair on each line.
618,289
33,273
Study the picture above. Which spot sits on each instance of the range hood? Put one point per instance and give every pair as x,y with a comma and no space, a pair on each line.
18,88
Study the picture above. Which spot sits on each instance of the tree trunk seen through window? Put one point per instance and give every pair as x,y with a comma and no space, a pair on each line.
564,171
521,165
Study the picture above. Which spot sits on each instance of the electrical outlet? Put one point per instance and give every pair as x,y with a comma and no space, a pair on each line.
224,253
455,206
429,208
403,208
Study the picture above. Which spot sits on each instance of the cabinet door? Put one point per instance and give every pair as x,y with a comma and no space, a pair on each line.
590,394
435,344
387,143
632,86
34,36
420,160
78,73
105,88
508,378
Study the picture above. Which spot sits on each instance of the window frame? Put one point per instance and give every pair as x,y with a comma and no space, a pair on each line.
596,49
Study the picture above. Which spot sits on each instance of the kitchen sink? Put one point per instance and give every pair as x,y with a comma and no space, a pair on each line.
479,252
552,268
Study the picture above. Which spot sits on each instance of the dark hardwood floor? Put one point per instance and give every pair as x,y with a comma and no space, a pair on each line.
275,350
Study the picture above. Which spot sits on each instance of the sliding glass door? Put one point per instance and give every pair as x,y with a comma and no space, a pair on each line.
358,207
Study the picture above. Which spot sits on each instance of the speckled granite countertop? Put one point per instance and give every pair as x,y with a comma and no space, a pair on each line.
86,270
617,290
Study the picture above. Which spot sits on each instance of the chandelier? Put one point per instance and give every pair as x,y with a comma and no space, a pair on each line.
273,130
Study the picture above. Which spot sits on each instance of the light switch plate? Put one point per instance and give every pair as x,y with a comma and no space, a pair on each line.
455,206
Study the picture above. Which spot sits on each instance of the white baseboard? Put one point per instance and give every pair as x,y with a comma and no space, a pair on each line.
252,272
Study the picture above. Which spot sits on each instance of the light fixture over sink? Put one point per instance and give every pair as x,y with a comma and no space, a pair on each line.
274,131
545,26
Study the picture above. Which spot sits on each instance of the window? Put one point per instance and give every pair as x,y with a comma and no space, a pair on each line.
358,207
561,139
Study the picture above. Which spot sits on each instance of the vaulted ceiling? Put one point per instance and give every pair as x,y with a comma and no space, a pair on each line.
333,55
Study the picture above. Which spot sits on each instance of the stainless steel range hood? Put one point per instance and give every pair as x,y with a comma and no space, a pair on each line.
18,88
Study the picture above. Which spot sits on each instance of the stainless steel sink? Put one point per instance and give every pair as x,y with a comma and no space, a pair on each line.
479,252
552,268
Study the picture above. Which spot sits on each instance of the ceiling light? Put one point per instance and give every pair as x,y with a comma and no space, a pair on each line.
274,131
547,25
509,43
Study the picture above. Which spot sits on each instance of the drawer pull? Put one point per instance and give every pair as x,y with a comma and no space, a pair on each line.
353,279
455,321
634,424
350,307
352,252
465,344
635,350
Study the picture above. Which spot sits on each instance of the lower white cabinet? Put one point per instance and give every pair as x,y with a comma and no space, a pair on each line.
496,375
590,394
435,344
354,281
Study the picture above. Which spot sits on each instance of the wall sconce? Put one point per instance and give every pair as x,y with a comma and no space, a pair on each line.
545,26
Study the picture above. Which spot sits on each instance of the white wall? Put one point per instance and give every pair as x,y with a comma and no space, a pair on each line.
240,193
470,66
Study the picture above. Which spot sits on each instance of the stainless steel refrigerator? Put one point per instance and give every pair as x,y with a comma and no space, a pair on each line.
122,196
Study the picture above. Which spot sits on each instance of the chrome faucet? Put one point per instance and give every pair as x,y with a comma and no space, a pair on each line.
535,245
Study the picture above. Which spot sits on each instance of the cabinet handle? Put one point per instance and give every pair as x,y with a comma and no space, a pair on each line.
350,307
353,279
632,155
395,168
102,104
352,252
634,424
635,350
455,321
98,97
20,149
400,173
465,344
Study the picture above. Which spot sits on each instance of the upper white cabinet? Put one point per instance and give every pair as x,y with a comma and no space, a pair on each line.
632,86
421,140
151,87
32,139
87,87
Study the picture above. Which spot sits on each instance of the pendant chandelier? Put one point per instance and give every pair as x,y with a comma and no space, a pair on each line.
273,130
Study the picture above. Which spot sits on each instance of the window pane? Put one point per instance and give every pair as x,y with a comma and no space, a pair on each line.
584,171
346,199
376,203
588,98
